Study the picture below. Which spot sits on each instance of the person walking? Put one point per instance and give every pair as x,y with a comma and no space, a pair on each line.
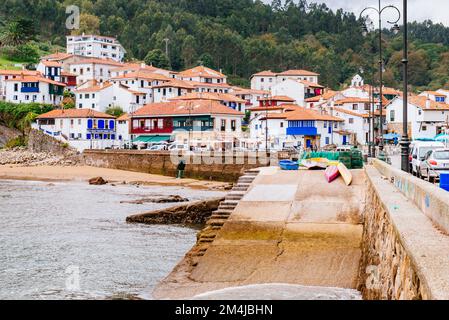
181,167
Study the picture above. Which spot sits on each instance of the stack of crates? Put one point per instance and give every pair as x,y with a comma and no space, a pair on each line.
356,159
345,158
444,181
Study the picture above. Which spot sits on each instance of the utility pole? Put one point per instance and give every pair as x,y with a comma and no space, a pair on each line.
166,40
405,142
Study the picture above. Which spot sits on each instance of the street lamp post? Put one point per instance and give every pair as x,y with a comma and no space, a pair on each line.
380,10
405,142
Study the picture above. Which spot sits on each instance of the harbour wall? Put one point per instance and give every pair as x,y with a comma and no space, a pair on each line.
405,247
227,167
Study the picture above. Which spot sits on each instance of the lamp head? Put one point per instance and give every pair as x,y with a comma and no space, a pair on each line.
395,29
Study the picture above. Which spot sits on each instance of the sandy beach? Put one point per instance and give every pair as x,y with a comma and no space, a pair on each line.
84,173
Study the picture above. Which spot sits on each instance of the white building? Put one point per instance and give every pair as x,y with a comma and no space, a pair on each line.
140,67
93,69
142,81
123,130
12,74
437,96
95,46
299,90
426,117
251,96
205,79
27,89
80,128
355,130
165,91
265,80
102,96
291,125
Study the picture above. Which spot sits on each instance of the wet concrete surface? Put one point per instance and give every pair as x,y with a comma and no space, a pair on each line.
292,228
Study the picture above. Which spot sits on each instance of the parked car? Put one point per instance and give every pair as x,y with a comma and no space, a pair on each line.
158,147
435,162
419,152
178,147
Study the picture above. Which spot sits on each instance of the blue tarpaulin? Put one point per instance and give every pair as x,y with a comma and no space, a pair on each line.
392,136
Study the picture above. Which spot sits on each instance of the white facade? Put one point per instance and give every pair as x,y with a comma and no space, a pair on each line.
355,127
104,96
33,89
266,80
95,46
424,120
290,88
92,69
75,132
357,81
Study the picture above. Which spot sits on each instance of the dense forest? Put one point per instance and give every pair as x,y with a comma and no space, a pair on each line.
240,37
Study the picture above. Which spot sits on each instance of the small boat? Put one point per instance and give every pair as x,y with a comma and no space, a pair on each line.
331,173
288,165
315,164
345,173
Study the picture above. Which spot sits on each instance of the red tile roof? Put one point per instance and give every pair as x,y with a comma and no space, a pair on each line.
185,108
51,63
98,61
427,104
201,71
95,88
57,56
267,73
326,96
74,113
299,72
210,96
309,114
19,73
175,83
37,78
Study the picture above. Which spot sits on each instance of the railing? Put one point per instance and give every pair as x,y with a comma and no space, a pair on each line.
29,89
193,128
142,130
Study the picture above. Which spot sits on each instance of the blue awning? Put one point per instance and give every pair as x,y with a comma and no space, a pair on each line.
392,136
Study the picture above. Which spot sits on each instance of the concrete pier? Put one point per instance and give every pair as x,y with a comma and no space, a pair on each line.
290,227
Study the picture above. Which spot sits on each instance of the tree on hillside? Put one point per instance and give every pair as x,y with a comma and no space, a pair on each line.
17,32
89,24
189,51
158,59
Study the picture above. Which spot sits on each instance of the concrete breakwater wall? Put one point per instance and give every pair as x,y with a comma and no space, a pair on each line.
404,256
197,212
219,167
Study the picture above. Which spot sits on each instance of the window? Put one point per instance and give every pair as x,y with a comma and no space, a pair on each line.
355,107
262,80
79,122
325,124
27,97
87,96
233,125
72,122
351,120
336,125
93,105
271,79
392,115
327,140
80,105
14,98
424,128
16,87
282,124
223,125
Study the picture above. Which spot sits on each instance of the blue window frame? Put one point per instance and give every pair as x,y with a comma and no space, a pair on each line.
100,124
88,136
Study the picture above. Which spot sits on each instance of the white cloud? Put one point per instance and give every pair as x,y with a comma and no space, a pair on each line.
419,10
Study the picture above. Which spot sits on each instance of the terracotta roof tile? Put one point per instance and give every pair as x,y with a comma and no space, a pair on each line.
74,113
210,96
309,114
201,71
185,108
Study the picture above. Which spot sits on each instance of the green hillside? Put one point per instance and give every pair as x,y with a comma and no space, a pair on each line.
242,37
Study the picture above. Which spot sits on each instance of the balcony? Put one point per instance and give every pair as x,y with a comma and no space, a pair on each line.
148,130
302,131
29,89
194,128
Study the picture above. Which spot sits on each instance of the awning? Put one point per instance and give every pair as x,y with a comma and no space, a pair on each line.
151,139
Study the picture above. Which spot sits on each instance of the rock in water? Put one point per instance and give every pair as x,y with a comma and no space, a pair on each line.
98,181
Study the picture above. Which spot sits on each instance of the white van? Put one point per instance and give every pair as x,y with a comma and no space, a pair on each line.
419,152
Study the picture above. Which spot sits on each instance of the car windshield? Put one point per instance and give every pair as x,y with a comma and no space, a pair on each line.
423,151
441,155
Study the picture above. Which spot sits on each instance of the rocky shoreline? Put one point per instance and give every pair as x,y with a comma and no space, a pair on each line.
24,157
197,212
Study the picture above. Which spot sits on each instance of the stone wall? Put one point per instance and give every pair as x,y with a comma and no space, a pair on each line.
223,167
431,200
403,255
190,213
39,142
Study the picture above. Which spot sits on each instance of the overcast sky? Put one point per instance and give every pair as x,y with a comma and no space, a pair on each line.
436,10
